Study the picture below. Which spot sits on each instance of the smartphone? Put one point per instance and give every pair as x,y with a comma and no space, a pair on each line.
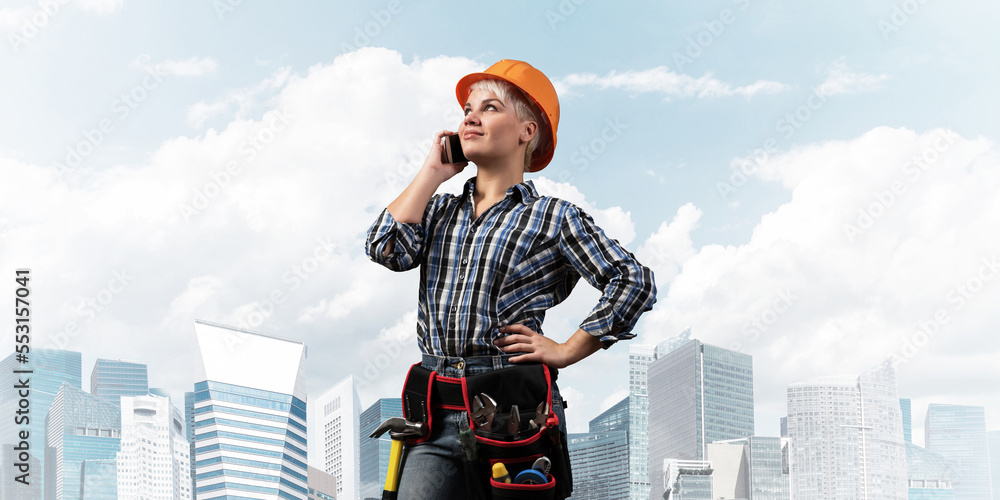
453,149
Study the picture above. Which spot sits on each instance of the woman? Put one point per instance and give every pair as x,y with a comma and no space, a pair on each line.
494,258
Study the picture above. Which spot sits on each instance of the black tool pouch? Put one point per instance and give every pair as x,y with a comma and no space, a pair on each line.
523,385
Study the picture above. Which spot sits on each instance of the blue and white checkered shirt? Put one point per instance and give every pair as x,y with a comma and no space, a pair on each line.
519,258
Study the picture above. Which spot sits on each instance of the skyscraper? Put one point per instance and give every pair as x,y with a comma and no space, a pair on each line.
79,427
189,432
639,358
375,452
698,394
959,434
99,480
993,437
905,407
335,425
112,379
50,369
615,418
250,415
750,468
847,438
155,458
600,465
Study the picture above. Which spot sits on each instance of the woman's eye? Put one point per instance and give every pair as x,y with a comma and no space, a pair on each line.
490,106
467,111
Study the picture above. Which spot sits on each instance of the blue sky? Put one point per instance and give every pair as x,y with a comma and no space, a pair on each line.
662,102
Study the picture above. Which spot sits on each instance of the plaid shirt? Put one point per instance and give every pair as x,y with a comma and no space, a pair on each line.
519,258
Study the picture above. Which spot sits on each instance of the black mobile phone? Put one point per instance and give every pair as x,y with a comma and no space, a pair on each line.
453,150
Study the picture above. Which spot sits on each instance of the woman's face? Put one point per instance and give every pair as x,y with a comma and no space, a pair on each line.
491,129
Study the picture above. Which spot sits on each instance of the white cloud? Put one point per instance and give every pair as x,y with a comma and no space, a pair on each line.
245,100
880,234
194,66
841,79
264,190
664,81
100,7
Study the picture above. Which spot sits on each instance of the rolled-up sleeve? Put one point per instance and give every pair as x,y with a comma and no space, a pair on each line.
393,244
627,287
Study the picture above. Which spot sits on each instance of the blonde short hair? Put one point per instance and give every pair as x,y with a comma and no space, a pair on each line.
523,108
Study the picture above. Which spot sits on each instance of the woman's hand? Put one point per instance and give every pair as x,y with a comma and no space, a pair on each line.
435,165
537,347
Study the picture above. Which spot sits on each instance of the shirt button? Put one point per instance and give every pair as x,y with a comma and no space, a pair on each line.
465,261
452,324
454,308
461,276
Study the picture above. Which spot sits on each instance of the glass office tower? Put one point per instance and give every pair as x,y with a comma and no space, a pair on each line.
600,465
639,358
906,408
375,452
847,438
698,394
79,427
112,379
993,437
959,433
99,480
50,369
930,475
615,418
250,415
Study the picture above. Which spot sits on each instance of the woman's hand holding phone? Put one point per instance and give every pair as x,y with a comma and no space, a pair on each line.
437,159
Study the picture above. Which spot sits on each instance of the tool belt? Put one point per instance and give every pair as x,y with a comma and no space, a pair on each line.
526,386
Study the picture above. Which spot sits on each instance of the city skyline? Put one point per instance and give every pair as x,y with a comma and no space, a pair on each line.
797,192
877,389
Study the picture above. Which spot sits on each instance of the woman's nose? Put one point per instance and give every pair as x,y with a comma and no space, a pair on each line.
472,118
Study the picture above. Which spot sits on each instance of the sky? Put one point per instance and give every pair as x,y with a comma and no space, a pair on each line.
812,184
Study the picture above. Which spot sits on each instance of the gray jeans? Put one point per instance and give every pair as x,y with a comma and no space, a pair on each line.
436,468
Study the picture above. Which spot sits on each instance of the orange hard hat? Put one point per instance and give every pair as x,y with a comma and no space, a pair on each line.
537,87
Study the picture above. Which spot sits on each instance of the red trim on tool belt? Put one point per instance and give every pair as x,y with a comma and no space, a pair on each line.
514,444
523,487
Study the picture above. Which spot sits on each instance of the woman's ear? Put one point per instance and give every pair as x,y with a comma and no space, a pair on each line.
528,131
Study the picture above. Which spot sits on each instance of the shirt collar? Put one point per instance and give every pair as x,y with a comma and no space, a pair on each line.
525,190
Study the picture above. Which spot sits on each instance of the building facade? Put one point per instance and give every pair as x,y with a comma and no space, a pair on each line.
993,438
78,427
959,434
687,480
374,453
322,486
698,394
335,424
847,438
930,476
600,465
753,468
50,369
99,480
639,358
249,415
113,378
155,458
613,419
